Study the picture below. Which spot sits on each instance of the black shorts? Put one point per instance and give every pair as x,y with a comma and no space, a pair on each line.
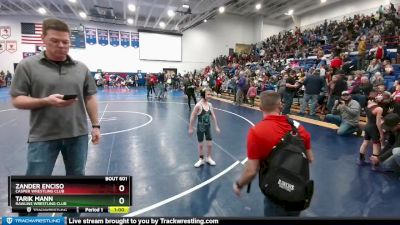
371,133
204,131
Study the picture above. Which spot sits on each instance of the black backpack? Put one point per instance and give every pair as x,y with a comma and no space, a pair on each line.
284,177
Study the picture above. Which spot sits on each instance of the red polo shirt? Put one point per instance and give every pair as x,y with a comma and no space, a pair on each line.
268,133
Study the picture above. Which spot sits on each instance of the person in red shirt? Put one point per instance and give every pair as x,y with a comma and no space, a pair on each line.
336,63
260,141
379,52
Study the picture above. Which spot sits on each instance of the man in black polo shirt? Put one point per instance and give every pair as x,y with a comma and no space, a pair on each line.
290,91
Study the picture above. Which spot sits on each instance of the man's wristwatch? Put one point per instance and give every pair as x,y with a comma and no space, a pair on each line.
96,126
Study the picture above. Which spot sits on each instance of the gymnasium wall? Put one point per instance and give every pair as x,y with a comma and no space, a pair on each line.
200,45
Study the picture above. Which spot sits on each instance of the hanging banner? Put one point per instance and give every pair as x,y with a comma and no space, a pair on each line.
11,46
102,35
114,38
135,39
5,31
2,46
124,39
90,35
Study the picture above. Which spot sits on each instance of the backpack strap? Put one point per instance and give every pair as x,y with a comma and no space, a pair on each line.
293,124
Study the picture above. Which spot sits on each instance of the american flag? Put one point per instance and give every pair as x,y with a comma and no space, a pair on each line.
31,33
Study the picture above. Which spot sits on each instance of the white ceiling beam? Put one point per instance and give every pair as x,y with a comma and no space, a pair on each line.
205,15
168,7
31,6
281,10
199,19
316,6
124,6
154,4
83,7
137,15
265,11
110,5
72,9
149,15
244,6
57,7
47,9
10,9
19,7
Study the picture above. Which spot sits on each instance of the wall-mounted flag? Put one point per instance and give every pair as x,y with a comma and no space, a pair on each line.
31,33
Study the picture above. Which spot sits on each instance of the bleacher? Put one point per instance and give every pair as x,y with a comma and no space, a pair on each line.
294,110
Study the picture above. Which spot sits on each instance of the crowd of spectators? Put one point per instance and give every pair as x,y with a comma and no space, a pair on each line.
339,70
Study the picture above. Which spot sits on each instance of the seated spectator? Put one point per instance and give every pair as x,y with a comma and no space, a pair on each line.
361,92
396,94
377,80
336,63
350,81
373,67
336,86
348,64
387,68
380,52
396,98
389,158
345,114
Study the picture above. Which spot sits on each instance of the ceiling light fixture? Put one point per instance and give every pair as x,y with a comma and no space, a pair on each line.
258,6
289,13
42,10
323,1
205,20
132,7
83,15
171,13
73,1
221,9
162,24
185,6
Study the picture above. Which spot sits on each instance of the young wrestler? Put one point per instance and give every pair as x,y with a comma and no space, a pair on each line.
204,112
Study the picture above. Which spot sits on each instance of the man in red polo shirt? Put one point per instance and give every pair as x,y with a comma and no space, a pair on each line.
260,142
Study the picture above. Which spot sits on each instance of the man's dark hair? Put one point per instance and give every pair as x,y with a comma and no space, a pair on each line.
55,24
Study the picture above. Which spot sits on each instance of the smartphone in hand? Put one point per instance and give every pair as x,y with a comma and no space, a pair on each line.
68,97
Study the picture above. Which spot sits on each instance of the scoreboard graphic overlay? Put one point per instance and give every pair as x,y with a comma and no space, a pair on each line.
89,194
